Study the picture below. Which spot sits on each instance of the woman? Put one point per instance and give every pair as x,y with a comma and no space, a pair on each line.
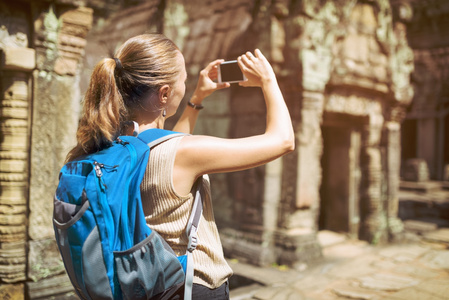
145,83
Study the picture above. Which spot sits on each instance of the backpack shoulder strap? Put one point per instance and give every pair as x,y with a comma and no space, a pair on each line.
153,137
191,231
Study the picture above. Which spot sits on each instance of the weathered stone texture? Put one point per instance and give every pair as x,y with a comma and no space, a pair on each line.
44,260
56,106
415,170
57,287
26,208
343,66
427,123
18,59
12,291
14,124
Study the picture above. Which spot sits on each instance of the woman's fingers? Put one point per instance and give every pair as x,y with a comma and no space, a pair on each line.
250,56
213,65
223,85
259,54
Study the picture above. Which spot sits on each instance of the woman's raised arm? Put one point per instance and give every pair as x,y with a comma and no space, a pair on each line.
198,155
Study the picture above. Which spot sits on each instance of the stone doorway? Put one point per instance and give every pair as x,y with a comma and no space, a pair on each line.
340,187
409,139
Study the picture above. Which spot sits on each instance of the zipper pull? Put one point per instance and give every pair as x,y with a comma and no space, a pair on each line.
98,167
120,141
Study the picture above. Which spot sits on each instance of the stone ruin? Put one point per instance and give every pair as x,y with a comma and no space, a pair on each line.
343,66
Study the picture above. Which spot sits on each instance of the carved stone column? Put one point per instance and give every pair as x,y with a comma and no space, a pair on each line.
17,64
59,40
402,65
307,68
391,142
374,217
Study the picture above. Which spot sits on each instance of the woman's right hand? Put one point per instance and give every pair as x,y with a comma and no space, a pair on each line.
256,69
207,80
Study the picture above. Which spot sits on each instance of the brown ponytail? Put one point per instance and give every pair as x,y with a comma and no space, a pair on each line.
143,64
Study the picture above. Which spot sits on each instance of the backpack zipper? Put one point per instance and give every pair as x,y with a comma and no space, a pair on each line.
98,167
132,151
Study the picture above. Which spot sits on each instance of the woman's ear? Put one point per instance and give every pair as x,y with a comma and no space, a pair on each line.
164,94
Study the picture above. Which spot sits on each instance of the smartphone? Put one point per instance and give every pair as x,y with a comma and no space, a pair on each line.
229,71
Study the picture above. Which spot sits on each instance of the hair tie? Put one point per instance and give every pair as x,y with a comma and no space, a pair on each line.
118,64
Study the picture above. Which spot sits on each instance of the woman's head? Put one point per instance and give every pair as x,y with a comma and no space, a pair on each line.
148,63
145,68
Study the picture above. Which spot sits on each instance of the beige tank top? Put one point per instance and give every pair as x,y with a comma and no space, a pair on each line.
168,214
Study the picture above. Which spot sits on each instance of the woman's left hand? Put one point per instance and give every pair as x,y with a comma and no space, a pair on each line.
207,81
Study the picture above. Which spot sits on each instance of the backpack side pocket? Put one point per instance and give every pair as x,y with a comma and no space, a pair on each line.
80,247
151,256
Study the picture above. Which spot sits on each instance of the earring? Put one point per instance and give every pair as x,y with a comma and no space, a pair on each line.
136,129
164,113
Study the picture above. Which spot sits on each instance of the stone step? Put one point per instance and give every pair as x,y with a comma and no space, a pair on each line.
439,236
421,186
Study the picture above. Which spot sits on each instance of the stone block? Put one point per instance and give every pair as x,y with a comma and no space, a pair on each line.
18,59
58,287
70,51
12,291
13,112
18,141
74,30
54,126
13,253
329,238
82,16
13,209
13,273
11,166
415,170
14,86
12,219
66,66
44,259
12,234
75,41
439,236
419,226
246,247
13,193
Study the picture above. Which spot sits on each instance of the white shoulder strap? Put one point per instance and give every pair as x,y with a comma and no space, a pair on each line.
191,231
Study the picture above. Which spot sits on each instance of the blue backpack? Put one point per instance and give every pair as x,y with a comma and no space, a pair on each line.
108,250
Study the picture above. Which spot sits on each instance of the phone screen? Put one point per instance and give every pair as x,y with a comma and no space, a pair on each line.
230,72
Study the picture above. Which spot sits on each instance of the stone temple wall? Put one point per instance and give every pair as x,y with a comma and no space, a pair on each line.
41,48
343,67
426,128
